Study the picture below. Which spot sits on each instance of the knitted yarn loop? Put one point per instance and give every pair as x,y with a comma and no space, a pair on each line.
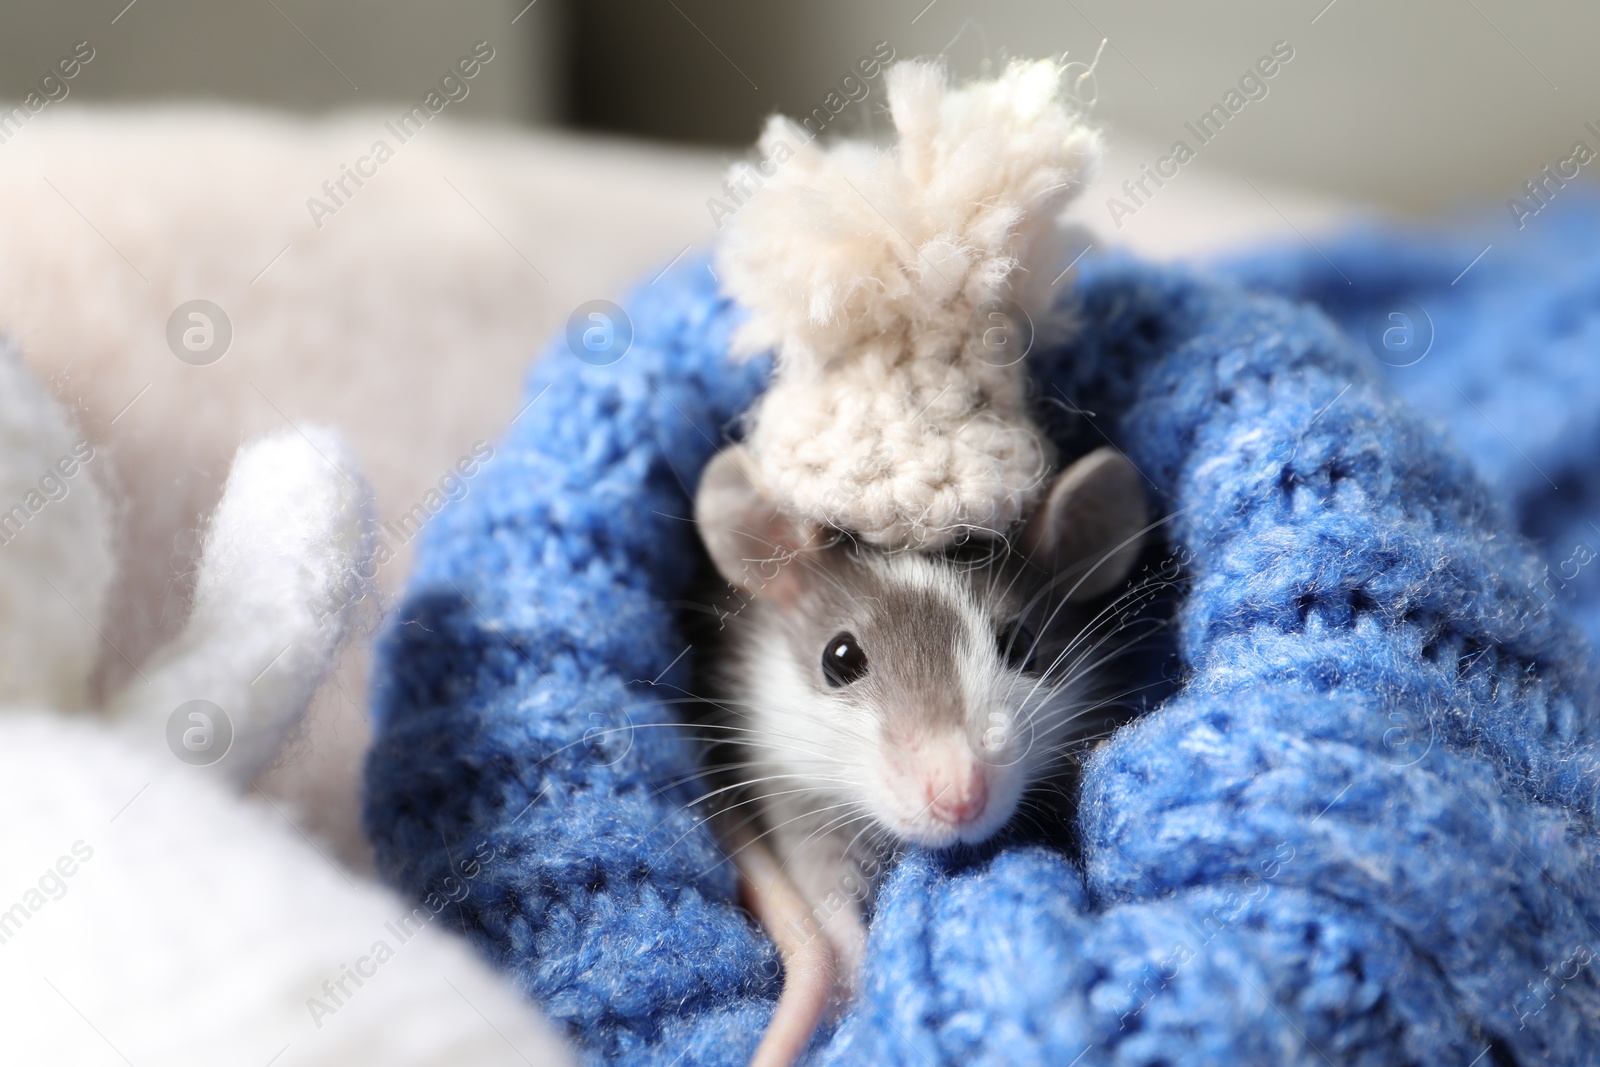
877,276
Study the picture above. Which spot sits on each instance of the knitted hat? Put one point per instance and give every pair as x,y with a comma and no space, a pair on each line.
900,289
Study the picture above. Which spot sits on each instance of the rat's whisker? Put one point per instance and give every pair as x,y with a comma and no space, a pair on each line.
835,824
764,795
769,830
746,783
1082,667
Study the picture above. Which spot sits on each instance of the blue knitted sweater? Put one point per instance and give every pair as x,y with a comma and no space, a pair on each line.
1362,831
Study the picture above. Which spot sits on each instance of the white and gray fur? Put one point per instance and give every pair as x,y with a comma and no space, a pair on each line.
953,718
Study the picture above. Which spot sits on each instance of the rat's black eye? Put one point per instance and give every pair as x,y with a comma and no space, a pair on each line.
843,661
1017,645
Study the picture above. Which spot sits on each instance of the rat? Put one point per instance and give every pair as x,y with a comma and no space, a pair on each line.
876,697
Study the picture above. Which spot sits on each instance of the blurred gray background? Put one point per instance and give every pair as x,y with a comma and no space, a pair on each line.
1415,106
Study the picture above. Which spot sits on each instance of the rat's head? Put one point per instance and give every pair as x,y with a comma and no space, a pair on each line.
909,687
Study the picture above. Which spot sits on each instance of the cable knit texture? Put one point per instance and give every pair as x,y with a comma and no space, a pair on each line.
1511,369
900,407
1361,832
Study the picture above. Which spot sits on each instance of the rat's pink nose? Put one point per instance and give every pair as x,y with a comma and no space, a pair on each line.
961,802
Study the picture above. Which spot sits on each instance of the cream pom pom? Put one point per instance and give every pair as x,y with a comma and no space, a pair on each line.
871,273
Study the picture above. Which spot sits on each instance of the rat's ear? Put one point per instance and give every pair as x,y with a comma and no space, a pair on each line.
750,540
1089,527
